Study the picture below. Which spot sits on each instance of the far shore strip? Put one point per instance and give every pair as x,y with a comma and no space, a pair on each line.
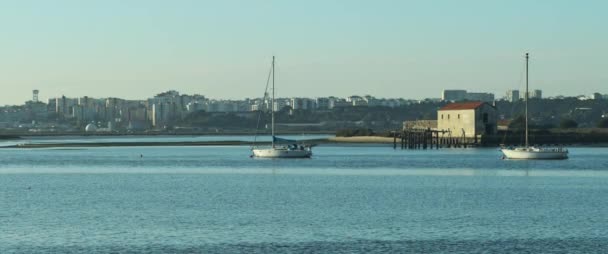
365,139
362,139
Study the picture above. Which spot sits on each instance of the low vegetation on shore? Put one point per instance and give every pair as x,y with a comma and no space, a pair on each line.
8,137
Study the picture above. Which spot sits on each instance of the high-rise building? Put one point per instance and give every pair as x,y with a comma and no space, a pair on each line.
302,104
536,94
597,96
35,95
280,103
512,95
453,95
323,103
64,106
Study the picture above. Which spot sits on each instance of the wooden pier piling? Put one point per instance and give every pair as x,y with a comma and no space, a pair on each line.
429,139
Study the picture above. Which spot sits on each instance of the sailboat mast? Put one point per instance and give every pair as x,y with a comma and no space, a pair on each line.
527,97
272,102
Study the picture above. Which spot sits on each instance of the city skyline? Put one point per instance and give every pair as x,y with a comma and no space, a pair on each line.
35,96
405,49
165,110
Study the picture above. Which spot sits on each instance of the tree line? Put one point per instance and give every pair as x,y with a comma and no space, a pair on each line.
544,113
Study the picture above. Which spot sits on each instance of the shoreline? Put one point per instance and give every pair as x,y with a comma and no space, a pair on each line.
133,144
18,135
10,137
362,139
314,142
357,140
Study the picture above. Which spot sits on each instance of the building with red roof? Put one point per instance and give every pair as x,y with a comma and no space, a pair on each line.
471,119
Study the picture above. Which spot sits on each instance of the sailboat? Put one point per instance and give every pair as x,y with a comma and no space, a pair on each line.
528,152
280,148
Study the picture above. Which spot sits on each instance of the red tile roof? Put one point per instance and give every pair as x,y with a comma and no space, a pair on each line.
463,105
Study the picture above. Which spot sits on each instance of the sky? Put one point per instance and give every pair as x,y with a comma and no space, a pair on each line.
134,49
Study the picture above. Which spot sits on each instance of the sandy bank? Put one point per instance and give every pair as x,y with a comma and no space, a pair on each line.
361,139
333,140
120,144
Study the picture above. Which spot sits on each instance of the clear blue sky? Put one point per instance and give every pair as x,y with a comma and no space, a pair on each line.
222,49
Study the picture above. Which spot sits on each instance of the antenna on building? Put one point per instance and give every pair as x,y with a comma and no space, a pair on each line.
35,95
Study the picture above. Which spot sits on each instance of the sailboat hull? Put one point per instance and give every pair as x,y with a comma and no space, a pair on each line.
281,153
291,151
530,152
535,154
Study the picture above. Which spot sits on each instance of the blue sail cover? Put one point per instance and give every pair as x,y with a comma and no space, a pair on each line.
283,141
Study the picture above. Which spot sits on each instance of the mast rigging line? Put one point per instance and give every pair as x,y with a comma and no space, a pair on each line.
520,87
257,126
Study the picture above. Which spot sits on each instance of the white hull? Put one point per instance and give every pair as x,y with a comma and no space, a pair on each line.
533,153
282,153
530,152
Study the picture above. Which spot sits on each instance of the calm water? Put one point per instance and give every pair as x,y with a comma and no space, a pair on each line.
346,199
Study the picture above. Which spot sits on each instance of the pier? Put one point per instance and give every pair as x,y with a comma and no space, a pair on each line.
430,139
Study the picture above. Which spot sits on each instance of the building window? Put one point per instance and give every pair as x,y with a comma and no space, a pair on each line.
458,116
485,117
448,116
441,116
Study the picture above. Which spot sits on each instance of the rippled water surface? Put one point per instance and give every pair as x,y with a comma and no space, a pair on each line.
346,199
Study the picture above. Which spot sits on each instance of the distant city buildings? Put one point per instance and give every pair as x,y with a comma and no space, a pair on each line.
169,108
594,96
536,94
516,95
463,95
512,96
454,95
165,109
280,104
303,104
597,96
323,103
486,97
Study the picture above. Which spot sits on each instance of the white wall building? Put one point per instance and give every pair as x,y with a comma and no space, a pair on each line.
302,104
472,118
280,104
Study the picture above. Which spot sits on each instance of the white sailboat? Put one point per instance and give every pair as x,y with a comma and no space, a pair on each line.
280,148
528,152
